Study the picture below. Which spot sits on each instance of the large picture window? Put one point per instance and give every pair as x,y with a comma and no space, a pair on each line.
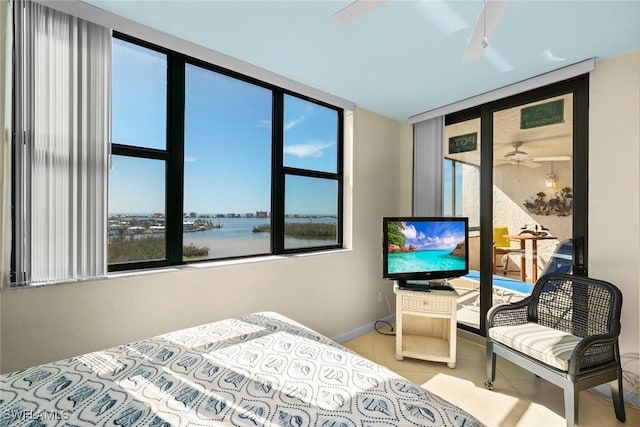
200,171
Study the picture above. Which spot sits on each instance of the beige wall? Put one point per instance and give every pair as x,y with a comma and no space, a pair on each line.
335,293
614,193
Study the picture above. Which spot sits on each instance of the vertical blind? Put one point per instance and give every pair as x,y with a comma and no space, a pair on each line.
6,41
428,142
62,107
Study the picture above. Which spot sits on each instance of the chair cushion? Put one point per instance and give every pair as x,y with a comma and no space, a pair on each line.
545,344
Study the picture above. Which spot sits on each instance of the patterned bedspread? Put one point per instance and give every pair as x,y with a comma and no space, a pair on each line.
259,370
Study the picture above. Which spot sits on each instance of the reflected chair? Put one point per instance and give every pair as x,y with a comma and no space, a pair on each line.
565,332
502,246
560,261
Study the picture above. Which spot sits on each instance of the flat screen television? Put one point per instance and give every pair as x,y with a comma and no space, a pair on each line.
422,252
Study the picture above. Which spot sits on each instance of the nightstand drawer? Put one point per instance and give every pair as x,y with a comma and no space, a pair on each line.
427,305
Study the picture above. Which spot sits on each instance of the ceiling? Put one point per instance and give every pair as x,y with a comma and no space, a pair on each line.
403,57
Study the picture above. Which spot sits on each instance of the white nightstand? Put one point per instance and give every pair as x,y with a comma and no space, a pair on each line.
426,325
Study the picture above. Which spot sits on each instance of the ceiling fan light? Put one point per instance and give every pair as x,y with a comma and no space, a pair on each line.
550,181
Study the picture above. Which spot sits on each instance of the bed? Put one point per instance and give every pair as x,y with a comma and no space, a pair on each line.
259,370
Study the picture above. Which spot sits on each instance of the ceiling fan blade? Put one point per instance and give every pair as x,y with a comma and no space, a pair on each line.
551,159
530,164
355,10
516,155
525,162
490,16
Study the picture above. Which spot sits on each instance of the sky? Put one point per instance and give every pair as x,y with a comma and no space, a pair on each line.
227,141
434,234
448,188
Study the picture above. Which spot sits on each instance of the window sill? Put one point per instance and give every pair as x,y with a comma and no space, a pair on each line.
186,267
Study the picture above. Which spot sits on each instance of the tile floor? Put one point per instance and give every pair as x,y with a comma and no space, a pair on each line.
519,399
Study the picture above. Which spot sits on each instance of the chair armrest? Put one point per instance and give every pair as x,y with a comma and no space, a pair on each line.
515,313
593,351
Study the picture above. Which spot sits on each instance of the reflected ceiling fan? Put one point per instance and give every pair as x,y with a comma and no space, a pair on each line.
520,157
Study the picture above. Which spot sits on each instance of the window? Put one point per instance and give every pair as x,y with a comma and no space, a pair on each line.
138,96
137,179
312,179
452,186
199,171
136,210
227,166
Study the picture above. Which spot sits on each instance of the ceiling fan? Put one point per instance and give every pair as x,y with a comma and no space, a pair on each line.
486,24
520,157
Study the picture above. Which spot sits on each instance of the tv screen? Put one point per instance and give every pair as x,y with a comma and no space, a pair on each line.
425,248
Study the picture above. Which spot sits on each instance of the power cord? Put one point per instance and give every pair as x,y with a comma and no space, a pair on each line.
379,329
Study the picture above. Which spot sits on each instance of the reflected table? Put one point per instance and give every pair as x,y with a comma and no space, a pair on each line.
523,238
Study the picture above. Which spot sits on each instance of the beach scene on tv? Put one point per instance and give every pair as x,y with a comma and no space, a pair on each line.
425,246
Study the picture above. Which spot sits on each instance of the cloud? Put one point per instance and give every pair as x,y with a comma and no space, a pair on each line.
409,232
292,123
313,149
265,124
190,159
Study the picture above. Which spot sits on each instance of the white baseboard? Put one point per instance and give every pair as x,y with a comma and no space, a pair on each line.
361,330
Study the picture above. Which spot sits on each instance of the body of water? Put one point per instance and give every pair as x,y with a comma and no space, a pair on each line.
236,237
425,260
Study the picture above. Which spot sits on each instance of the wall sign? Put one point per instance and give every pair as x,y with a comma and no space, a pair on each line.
545,114
463,143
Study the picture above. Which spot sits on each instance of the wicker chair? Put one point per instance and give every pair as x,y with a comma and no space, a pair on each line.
566,332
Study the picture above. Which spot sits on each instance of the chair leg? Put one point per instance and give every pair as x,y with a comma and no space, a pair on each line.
491,367
495,255
617,396
571,405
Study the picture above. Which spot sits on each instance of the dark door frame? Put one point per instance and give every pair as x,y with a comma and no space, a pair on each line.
579,87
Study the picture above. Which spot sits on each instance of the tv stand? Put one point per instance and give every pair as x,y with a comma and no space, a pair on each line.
426,325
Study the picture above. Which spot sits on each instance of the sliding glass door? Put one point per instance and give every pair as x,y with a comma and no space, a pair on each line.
524,189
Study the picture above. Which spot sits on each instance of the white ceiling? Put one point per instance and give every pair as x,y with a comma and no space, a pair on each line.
404,57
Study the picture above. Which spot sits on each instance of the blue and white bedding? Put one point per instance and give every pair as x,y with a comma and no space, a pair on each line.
259,370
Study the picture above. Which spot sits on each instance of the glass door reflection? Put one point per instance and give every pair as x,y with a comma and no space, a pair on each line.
462,198
532,192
